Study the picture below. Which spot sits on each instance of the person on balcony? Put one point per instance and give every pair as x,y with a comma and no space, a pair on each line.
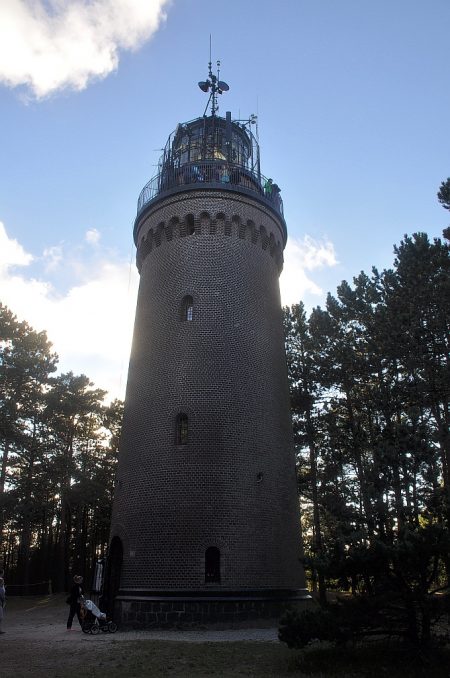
196,174
235,177
224,175
276,195
268,187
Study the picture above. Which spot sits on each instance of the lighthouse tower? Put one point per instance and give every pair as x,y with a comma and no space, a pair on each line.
205,520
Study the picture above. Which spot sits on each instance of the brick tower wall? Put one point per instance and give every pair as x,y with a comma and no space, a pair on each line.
233,485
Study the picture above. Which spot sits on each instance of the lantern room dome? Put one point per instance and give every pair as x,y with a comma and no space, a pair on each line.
215,152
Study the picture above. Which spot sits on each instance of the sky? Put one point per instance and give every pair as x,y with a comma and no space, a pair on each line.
352,99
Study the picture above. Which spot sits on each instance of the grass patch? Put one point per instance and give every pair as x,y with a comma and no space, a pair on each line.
191,660
369,662
264,660
146,658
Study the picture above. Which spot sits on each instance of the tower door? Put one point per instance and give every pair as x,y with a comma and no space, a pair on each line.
212,565
113,570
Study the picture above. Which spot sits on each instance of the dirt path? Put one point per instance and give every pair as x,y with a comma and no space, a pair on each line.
36,642
43,619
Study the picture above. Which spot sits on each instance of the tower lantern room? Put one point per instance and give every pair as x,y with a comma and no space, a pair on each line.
213,139
212,150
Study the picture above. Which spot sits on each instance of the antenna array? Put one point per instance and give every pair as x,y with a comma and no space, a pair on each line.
213,85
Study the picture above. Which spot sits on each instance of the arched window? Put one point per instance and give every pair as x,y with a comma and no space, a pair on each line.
190,223
181,432
187,308
212,565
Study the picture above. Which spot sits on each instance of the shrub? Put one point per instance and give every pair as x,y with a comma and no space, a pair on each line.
298,629
381,617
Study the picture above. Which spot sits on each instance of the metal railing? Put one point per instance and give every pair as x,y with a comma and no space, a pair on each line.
219,174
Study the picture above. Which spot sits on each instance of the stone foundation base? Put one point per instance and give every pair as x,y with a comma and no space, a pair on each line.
141,611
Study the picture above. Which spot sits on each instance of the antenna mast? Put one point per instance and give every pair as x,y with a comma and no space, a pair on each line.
213,85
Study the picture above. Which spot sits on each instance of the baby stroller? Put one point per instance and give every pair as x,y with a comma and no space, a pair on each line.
94,620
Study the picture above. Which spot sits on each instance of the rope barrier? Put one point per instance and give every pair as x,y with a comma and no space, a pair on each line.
38,583
45,587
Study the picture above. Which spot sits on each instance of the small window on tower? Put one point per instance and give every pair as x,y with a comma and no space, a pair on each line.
187,308
212,565
190,224
181,434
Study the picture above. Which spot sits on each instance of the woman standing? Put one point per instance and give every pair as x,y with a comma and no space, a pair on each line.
74,601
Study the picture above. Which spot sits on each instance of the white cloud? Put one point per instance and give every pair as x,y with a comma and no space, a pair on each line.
52,257
92,236
301,256
11,252
90,326
48,45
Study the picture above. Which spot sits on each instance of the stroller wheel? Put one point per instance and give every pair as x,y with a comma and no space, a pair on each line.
86,628
95,629
112,627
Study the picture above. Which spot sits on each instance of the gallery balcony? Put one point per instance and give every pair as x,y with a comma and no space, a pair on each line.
211,174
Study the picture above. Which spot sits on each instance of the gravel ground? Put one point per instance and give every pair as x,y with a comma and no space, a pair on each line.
43,619
36,644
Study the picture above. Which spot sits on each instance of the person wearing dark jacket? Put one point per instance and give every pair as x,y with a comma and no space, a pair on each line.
74,601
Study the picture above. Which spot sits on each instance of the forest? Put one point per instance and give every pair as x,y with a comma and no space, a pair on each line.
369,376
58,442
370,387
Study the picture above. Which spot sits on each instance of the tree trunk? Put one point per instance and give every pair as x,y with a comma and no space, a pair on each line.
318,547
2,486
